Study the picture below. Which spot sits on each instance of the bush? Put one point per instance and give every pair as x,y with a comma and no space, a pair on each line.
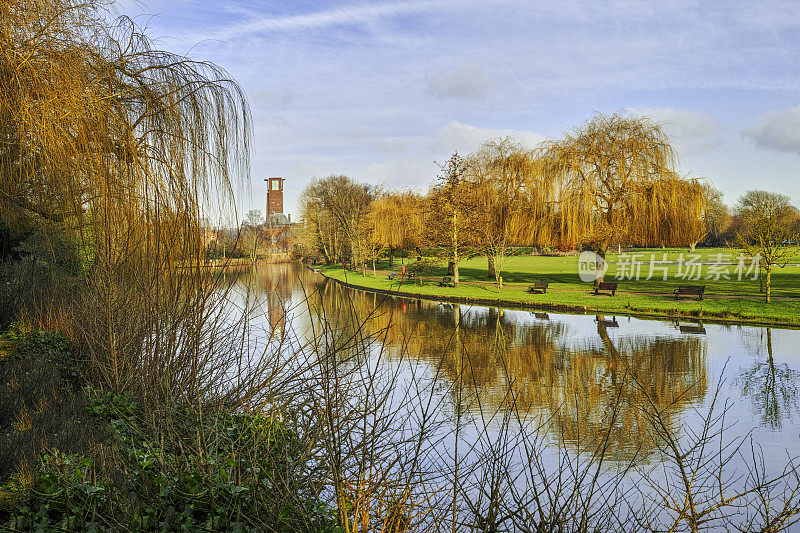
112,465
45,408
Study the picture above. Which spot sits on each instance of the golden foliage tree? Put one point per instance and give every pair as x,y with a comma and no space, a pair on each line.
610,170
450,210
122,144
668,212
396,221
513,200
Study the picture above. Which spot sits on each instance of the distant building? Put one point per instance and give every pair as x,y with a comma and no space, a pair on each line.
274,196
278,219
277,235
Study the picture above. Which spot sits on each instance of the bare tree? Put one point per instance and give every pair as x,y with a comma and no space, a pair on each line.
717,215
451,204
335,210
768,231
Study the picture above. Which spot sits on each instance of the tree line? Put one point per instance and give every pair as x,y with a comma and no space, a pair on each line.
611,181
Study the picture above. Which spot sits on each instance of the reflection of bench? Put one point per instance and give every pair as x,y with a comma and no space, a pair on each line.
607,323
697,329
446,281
690,290
538,286
606,286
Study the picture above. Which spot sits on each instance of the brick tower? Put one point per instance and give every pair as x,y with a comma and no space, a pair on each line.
274,195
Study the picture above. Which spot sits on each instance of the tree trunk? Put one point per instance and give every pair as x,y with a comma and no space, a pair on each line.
691,247
769,347
768,285
391,257
492,273
599,270
455,248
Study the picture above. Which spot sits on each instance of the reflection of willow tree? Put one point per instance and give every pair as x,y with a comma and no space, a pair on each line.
772,387
586,393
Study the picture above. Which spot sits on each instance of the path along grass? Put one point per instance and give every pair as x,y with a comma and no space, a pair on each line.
727,297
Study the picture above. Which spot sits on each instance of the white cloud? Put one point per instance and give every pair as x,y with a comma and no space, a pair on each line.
466,138
777,130
465,81
363,14
693,132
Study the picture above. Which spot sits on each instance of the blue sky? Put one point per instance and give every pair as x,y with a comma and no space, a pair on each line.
380,91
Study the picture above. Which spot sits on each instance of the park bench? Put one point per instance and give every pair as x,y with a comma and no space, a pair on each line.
392,275
446,281
690,290
538,286
606,286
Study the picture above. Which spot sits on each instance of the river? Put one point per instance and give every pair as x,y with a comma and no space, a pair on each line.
582,386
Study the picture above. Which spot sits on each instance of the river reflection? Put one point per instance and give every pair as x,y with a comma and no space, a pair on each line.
588,379
588,387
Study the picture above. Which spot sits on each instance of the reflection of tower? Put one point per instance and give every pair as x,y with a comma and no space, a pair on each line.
274,195
278,288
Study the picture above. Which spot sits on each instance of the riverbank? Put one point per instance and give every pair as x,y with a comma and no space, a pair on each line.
727,301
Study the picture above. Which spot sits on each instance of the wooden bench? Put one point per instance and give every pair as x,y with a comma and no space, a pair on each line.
392,275
690,290
446,281
538,286
606,286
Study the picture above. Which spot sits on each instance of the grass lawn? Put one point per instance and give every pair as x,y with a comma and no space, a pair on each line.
726,298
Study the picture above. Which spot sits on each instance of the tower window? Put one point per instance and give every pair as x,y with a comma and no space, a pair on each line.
276,185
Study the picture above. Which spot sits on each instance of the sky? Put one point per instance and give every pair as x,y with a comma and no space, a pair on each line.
382,91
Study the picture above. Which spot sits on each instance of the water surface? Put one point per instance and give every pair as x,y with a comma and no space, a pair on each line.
578,379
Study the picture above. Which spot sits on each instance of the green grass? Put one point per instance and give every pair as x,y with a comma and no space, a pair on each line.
726,298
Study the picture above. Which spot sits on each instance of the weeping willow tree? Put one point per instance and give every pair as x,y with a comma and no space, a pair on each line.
121,145
396,221
514,200
673,213
618,184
